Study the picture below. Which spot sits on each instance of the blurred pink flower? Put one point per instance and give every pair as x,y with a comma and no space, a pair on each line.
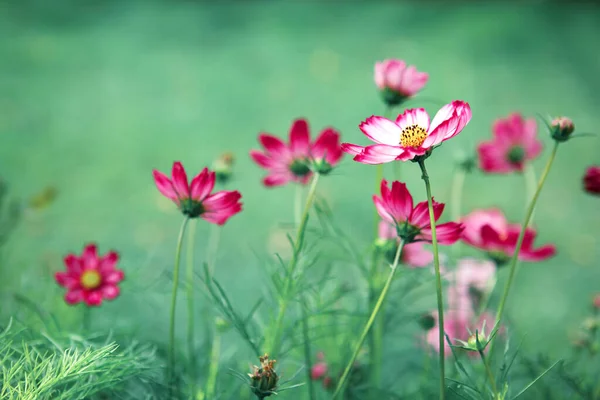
455,326
475,274
489,231
515,142
414,254
411,135
596,301
591,180
292,162
318,370
195,199
395,206
398,81
90,278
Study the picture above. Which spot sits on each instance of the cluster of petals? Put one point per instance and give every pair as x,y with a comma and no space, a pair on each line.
90,278
396,76
514,143
195,199
488,230
410,135
291,162
414,255
395,206
591,180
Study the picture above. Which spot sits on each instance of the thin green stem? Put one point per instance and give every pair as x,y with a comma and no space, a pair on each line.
528,214
273,346
213,369
307,351
490,376
190,306
458,183
171,352
438,280
388,283
530,185
298,205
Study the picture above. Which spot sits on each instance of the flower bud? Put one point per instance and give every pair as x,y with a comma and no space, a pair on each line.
222,324
263,379
223,167
321,166
591,181
318,371
561,129
427,322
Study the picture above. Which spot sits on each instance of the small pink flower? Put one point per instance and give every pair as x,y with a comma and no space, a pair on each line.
318,371
489,231
596,301
411,135
398,81
90,278
474,274
292,162
395,206
591,180
515,142
195,199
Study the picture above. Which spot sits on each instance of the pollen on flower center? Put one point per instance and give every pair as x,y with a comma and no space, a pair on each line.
413,136
90,279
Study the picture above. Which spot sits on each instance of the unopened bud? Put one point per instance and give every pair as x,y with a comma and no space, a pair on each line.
321,166
222,324
562,128
223,167
263,379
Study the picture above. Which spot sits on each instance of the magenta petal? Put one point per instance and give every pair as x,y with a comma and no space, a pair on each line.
383,211
164,185
273,144
113,277
74,296
262,160
300,138
108,262
180,181
219,207
66,280
277,179
379,154
93,298
539,254
202,185
110,292
420,215
381,130
353,149
73,263
89,258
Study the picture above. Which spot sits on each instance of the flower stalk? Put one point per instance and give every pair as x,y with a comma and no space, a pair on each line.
190,305
438,279
171,350
273,345
342,383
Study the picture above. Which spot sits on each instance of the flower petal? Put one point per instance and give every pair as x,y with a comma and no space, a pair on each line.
413,116
381,130
273,145
164,185
110,292
379,154
92,298
277,179
539,254
67,280
444,130
74,296
420,215
89,258
113,277
446,234
108,262
180,181
300,138
327,146
74,264
353,149
219,207
263,160
202,185
416,256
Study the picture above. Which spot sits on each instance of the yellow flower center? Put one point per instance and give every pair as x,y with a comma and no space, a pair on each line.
412,136
90,279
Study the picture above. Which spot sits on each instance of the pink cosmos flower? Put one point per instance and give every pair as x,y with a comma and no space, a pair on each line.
292,162
395,206
591,180
318,371
488,230
397,81
413,255
195,199
515,142
411,135
90,278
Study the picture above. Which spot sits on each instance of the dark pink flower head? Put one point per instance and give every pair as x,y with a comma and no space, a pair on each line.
397,81
412,224
489,231
90,278
195,199
318,371
515,142
294,162
591,180
411,135
414,255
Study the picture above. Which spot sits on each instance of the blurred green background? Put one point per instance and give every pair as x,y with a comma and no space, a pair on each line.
94,95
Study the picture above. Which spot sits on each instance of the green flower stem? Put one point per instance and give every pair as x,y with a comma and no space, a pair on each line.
528,214
340,387
273,345
213,369
490,376
298,205
171,351
438,280
307,351
530,185
190,308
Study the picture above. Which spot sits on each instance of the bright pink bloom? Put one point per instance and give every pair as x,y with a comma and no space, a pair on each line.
395,206
195,199
318,371
413,254
396,76
411,135
90,278
515,142
591,180
292,162
488,230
